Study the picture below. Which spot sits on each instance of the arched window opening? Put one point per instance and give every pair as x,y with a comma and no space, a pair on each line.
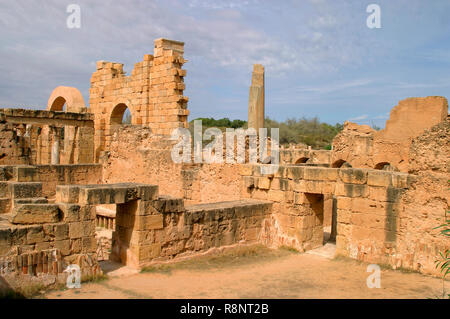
121,115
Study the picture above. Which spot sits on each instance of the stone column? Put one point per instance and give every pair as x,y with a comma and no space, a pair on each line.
55,147
256,99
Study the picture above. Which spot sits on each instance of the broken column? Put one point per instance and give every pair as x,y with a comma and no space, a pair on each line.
256,99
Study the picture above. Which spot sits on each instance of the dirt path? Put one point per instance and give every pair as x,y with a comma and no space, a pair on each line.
288,276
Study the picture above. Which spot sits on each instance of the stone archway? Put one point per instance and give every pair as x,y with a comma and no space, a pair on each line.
302,160
340,163
117,114
69,96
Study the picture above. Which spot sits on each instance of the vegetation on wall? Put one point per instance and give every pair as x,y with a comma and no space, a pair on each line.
443,261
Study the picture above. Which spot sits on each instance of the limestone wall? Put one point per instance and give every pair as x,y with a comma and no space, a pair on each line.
137,155
430,152
379,218
305,156
28,137
182,232
38,242
52,175
14,148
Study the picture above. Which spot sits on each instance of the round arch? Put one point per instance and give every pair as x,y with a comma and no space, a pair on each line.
340,163
118,112
382,165
69,96
302,160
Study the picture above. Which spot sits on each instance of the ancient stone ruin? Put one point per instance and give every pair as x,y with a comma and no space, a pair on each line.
70,170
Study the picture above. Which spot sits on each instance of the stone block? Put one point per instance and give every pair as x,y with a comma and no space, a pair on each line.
25,174
61,231
401,180
149,251
245,169
5,205
276,195
353,175
379,178
81,229
71,212
351,190
300,198
36,214
344,203
25,190
67,193
63,246
320,174
263,183
295,173
315,187
35,234
88,244
87,213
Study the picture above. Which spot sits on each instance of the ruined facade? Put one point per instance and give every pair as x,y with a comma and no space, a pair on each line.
65,172
153,93
362,146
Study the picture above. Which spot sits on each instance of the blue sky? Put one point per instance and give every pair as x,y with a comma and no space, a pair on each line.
320,58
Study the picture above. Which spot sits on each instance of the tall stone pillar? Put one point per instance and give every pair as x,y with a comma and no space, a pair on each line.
55,147
256,99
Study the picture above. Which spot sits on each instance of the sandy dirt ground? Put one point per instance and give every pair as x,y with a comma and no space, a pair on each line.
289,276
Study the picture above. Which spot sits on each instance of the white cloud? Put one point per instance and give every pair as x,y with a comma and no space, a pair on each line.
359,118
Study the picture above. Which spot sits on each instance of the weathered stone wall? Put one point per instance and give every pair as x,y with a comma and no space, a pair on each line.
137,155
153,93
28,137
378,219
305,156
430,152
38,242
361,146
49,176
180,231
14,148
152,228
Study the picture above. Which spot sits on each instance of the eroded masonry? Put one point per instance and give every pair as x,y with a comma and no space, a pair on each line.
77,186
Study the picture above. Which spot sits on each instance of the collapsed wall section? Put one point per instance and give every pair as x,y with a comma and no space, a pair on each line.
362,146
